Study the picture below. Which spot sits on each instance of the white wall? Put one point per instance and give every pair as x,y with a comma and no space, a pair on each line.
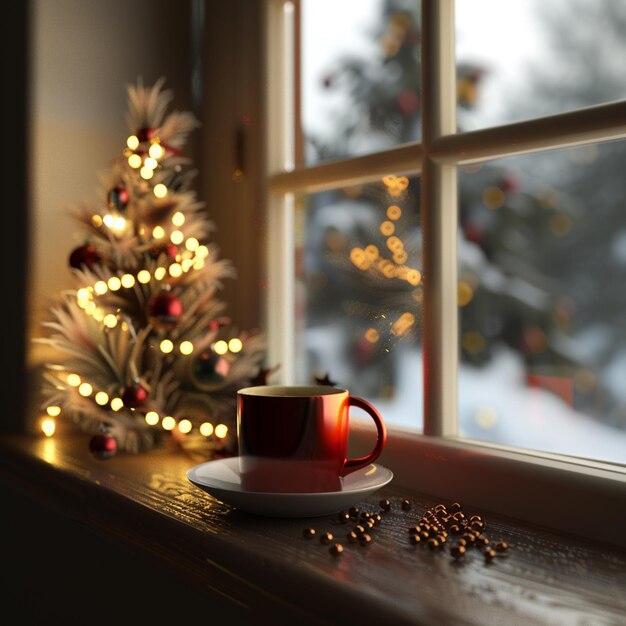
84,53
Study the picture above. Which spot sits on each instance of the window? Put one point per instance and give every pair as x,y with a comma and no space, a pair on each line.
427,247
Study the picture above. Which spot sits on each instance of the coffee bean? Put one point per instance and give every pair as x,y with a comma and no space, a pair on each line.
385,505
353,537
500,546
336,549
489,555
364,539
414,539
433,544
457,551
344,517
326,537
406,505
309,532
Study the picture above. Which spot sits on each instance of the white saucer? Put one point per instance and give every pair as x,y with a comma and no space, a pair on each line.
221,479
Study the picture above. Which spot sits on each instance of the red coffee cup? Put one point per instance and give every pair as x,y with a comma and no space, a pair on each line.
294,438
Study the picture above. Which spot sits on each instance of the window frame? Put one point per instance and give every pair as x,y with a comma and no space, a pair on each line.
539,488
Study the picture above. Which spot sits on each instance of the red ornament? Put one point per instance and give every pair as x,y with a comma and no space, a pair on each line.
170,249
510,183
103,446
145,134
473,232
134,395
408,102
218,323
211,367
118,198
164,309
84,256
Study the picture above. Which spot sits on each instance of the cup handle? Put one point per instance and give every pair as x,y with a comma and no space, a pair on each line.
381,435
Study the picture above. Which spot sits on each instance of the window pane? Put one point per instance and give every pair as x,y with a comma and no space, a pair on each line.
359,292
359,76
521,59
542,297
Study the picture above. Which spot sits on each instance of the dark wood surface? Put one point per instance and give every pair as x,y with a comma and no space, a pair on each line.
267,572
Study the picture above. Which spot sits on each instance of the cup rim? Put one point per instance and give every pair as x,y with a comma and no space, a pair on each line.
290,391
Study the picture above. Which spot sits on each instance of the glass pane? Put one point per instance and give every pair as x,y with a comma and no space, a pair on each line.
522,59
358,252
359,76
542,297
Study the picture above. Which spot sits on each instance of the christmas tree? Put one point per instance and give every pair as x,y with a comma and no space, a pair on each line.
144,354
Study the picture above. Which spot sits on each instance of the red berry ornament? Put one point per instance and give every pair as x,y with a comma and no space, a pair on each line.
103,446
118,198
84,256
211,367
170,249
134,396
164,309
145,134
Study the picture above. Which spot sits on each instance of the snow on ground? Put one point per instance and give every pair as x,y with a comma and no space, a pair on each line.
496,405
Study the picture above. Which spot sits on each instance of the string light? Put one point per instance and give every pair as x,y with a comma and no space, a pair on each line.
185,426
110,320
177,237
235,345
168,423
101,398
156,151
160,190
159,273
166,346
152,418
371,335
220,347
143,277
85,389
146,173
175,270
133,142
114,283
206,429
178,219
128,280
186,347
100,287
48,426
221,430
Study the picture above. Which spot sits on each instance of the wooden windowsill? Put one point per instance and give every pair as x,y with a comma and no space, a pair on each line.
264,566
